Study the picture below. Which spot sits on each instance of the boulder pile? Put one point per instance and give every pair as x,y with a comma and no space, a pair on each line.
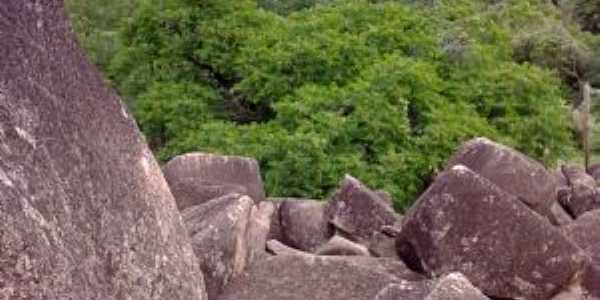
87,213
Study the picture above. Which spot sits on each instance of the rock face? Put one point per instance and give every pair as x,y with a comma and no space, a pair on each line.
218,230
358,211
455,286
301,277
585,233
511,171
464,223
303,224
198,177
583,195
338,245
85,212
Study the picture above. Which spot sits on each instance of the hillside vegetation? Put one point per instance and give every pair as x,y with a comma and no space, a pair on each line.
383,90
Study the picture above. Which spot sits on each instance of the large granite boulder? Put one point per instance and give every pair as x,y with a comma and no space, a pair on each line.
510,170
195,178
464,223
219,232
85,212
585,232
303,224
358,211
258,230
301,277
583,195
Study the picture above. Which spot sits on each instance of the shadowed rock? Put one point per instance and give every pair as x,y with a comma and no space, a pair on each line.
561,217
218,229
338,245
464,223
383,245
358,211
303,224
275,232
276,247
301,277
511,171
85,212
198,177
583,195
594,171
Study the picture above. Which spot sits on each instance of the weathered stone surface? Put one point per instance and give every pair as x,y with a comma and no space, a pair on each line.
258,230
338,245
303,224
404,290
222,174
301,277
85,212
276,247
511,171
455,286
191,191
464,223
218,230
584,195
359,211
584,232
383,245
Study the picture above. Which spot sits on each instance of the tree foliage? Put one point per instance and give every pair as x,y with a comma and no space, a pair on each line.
384,90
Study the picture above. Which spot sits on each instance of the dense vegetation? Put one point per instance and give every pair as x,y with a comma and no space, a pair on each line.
384,90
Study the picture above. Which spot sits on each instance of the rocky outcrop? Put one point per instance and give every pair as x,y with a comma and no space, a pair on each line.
510,170
585,233
465,223
196,178
85,212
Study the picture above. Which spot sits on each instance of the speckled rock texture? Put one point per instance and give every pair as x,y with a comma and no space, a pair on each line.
219,234
464,223
455,286
583,195
85,212
199,177
303,224
301,277
359,212
510,170
585,232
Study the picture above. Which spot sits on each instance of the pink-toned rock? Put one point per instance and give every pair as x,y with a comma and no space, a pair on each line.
465,223
303,224
510,170
585,232
358,211
195,178
338,246
583,195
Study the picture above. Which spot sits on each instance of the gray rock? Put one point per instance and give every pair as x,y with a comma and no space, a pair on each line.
85,212
303,224
258,230
502,247
591,282
594,171
215,176
583,196
455,286
218,229
338,245
511,171
405,290
358,211
301,277
275,232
